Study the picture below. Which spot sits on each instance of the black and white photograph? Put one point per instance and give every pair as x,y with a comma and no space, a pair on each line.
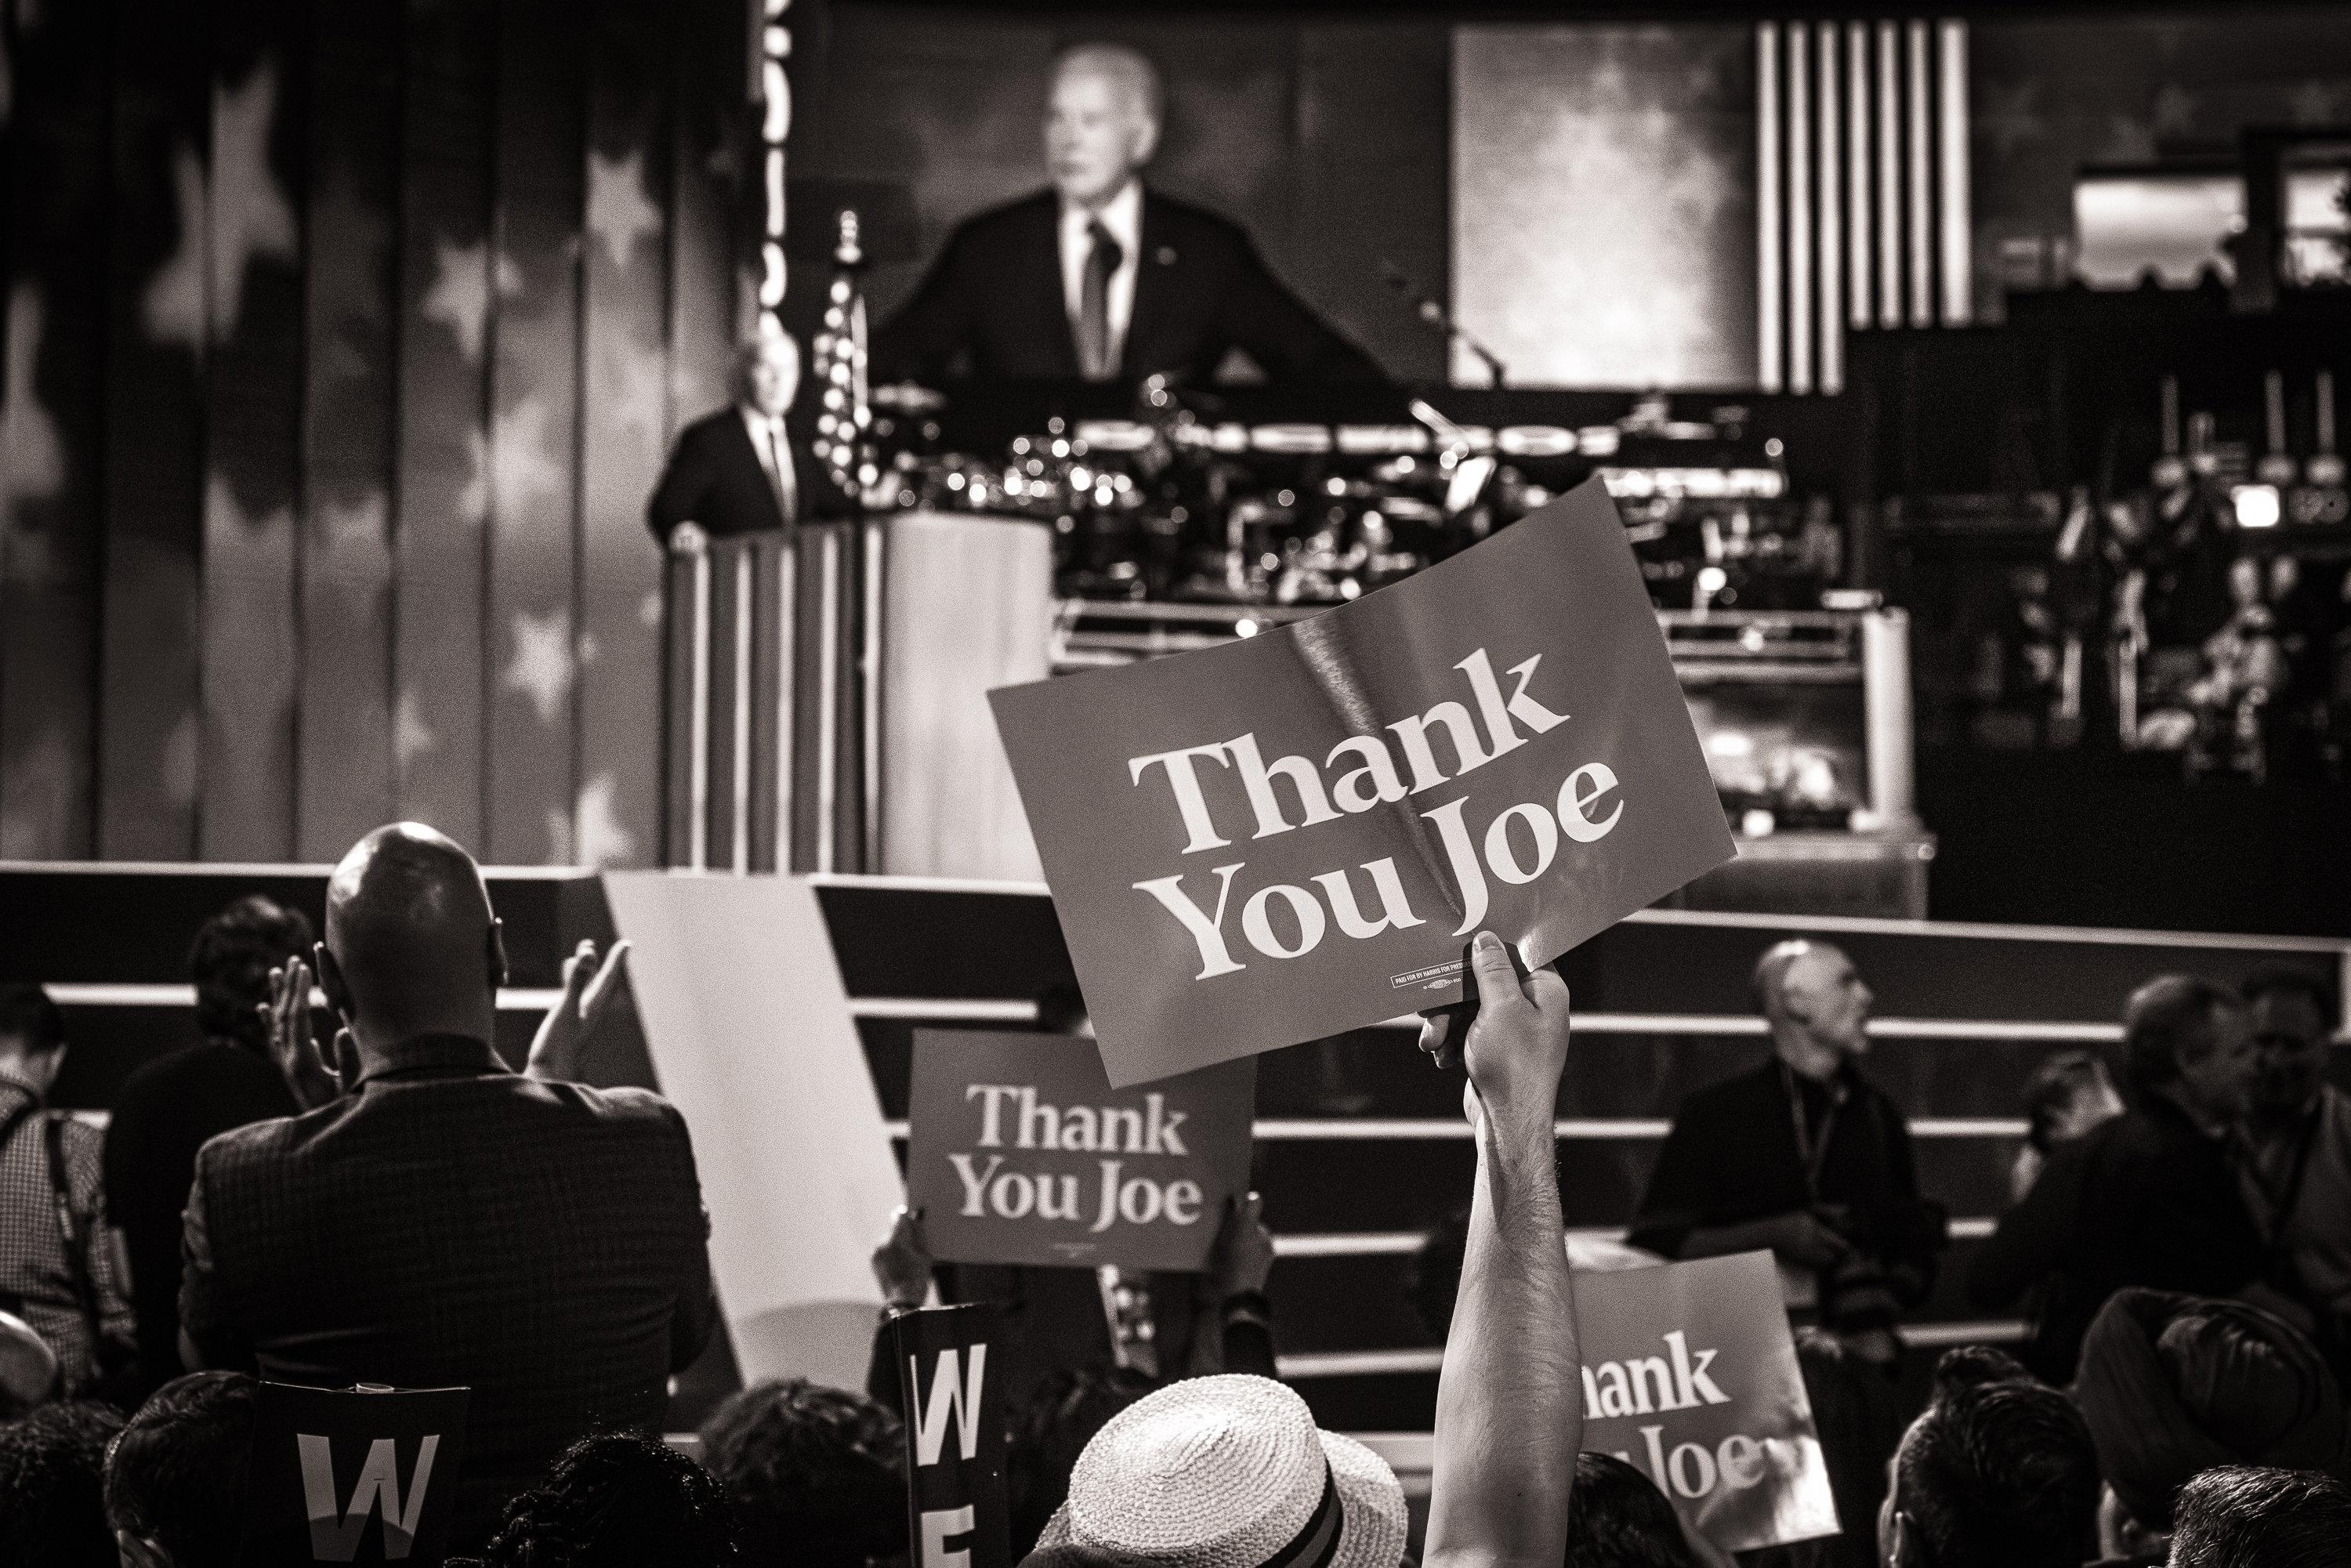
1175,784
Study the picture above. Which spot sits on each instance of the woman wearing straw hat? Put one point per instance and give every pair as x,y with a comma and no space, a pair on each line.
1231,1472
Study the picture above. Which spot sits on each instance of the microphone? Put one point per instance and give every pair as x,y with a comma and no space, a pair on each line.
1437,316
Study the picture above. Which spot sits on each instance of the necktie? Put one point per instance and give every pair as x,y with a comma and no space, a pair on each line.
776,457
1093,306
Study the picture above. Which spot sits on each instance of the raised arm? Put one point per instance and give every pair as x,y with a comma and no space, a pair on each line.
1509,1412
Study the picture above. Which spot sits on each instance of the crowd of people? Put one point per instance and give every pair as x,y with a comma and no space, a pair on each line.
401,1208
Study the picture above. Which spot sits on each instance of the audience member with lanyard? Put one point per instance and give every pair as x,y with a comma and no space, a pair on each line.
1805,1156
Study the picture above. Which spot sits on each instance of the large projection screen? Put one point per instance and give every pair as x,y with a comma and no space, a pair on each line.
1604,218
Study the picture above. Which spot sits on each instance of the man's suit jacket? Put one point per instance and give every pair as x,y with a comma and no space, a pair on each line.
452,1224
714,478
995,298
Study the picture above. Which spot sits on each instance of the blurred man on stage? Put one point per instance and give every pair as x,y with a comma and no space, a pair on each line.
1805,1156
1100,277
734,472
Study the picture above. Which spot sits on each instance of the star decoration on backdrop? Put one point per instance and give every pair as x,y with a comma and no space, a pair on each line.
251,218
601,839
174,305
617,212
32,457
627,386
460,296
524,471
542,663
412,737
2009,118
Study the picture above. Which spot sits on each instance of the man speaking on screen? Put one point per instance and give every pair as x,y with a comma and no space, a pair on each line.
1100,277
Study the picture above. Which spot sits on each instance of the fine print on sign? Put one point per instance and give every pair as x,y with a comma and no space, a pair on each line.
1690,1377
1020,1150
1297,835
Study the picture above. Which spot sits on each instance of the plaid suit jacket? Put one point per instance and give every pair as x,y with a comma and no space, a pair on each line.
450,1224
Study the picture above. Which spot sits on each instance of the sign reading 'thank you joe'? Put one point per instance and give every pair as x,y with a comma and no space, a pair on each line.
1690,1376
1297,834
1020,1150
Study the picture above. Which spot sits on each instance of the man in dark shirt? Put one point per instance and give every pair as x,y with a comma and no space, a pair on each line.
1100,276
441,1221
2148,1198
1805,1156
173,1104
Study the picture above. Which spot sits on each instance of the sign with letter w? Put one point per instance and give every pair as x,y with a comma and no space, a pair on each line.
364,1475
955,1438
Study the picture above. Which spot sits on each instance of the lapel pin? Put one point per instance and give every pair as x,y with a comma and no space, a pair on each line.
1166,256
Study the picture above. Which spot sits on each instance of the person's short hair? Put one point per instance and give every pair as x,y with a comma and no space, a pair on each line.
1973,1365
177,1474
2170,1021
1620,1519
1130,66
230,962
52,1487
1770,976
2291,980
750,351
2058,1086
618,1499
1050,1429
30,1018
817,1475
28,1368
2240,1517
2001,1475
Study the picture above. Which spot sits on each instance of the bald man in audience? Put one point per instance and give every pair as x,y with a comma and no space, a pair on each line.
1805,1156
1100,277
438,1220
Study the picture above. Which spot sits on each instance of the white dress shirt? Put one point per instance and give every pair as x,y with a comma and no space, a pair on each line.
1123,216
775,456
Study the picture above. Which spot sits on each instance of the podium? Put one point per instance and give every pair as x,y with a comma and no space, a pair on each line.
825,702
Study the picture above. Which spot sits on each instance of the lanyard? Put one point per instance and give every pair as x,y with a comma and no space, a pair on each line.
1809,1155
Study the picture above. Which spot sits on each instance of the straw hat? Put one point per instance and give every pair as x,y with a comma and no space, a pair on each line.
1224,1472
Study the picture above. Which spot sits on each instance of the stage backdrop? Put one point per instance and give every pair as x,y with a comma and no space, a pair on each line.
343,341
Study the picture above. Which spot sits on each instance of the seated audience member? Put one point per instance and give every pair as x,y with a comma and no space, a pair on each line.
2235,1516
1994,1474
1622,1520
441,1221
2067,1097
175,1478
817,1475
174,1103
1055,1319
1051,1431
1805,1156
1228,1468
620,1500
1231,1468
2296,1178
53,1487
2173,1385
58,1271
2148,1198
28,1368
